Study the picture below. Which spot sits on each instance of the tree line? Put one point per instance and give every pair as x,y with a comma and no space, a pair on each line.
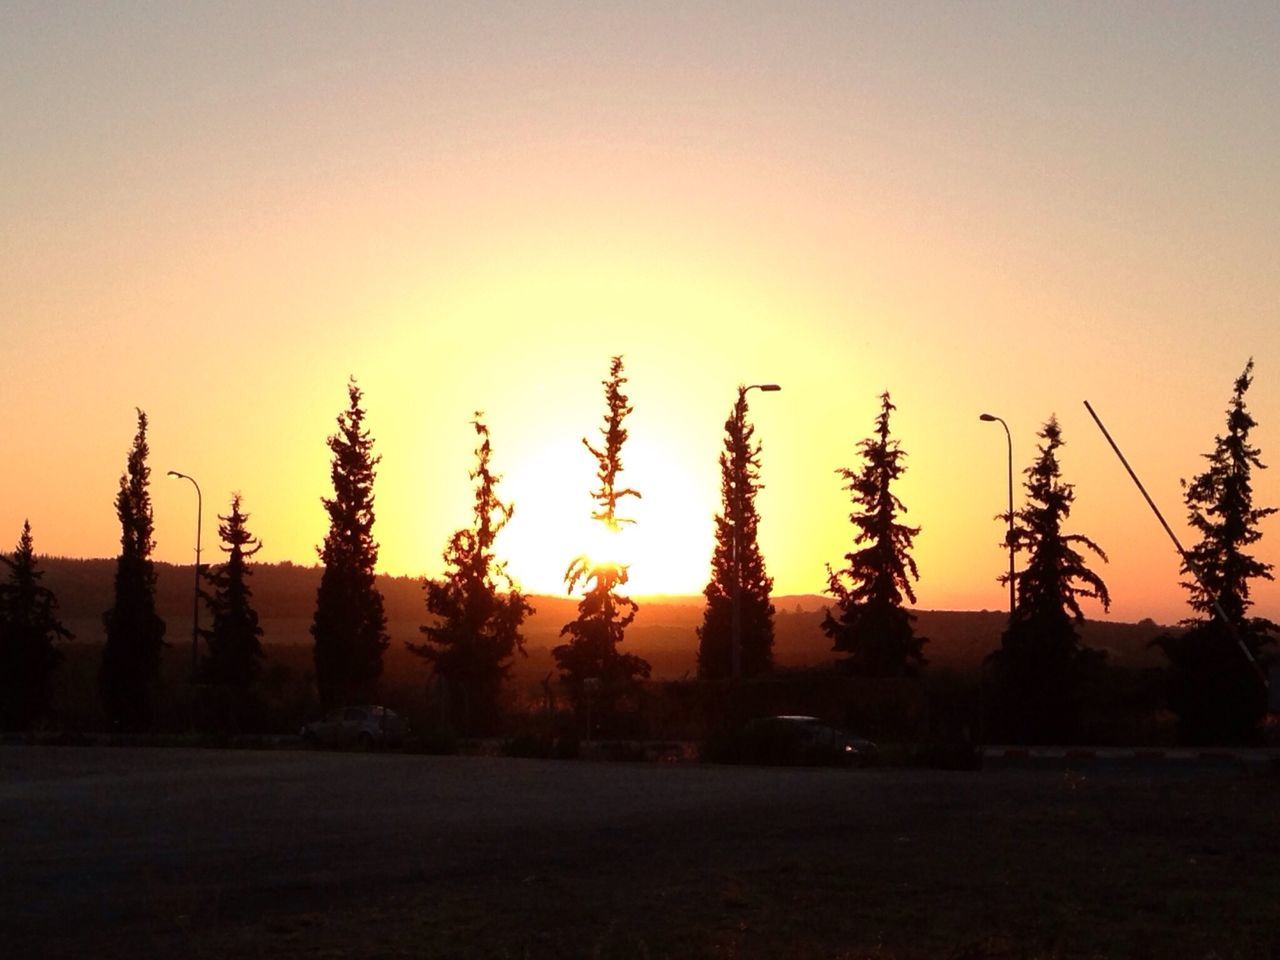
1032,682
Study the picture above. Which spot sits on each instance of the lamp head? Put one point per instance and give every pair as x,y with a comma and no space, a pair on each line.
770,387
987,417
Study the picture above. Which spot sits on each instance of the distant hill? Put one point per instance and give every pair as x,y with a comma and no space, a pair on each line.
663,632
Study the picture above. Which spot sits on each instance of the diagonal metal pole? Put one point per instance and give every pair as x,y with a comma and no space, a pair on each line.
1186,559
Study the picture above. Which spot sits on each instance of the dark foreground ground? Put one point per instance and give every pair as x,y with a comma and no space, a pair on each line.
200,854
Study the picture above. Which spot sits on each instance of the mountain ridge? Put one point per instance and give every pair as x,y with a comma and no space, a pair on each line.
664,632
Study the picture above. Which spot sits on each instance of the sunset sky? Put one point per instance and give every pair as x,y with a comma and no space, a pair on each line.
217,212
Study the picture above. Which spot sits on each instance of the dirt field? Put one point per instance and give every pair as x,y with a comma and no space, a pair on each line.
201,854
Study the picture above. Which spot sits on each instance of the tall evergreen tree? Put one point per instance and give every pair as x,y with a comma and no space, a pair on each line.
478,610
130,669
1216,692
590,664
870,624
1041,666
349,626
29,628
736,563
234,641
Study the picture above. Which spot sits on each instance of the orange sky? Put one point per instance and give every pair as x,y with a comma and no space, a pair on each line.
219,213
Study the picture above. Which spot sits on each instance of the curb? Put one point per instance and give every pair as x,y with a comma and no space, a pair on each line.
1181,755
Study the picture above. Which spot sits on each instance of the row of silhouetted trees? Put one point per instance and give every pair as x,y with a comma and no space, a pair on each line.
1034,679
1216,682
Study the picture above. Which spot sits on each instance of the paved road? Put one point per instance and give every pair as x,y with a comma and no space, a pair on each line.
137,852
122,838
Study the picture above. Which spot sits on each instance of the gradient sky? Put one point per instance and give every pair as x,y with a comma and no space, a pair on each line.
219,211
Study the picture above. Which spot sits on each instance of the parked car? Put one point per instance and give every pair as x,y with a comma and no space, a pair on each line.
807,741
360,727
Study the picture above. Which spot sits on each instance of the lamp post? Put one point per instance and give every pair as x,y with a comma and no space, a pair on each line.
989,418
195,597
739,471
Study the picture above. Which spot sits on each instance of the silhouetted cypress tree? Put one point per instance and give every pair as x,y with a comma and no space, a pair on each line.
1216,693
234,658
135,635
736,525
870,624
350,625
477,628
1041,666
603,614
29,627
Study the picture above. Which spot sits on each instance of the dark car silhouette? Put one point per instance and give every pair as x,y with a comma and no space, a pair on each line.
359,727
803,741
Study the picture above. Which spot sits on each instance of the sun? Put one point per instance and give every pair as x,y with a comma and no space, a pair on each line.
666,550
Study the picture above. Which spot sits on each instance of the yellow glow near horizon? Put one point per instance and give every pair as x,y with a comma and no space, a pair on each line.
218,218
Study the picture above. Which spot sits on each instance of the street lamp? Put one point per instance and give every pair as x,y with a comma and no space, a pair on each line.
1009,538
739,453
195,598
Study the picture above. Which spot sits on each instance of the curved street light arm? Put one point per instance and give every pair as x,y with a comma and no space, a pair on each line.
1009,537
736,612
195,598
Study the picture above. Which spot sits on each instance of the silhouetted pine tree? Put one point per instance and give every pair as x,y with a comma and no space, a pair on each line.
737,524
135,635
350,625
1041,666
29,627
477,628
590,664
870,624
1215,691
234,641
